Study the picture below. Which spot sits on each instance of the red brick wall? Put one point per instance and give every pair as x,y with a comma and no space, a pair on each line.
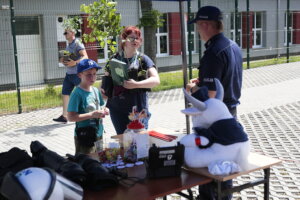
90,46
174,33
244,29
296,27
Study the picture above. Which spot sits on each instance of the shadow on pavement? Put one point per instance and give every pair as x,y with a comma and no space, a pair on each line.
44,129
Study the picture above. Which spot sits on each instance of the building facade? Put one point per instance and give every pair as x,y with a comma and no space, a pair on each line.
39,34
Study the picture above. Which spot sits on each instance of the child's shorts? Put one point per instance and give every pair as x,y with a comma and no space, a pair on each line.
83,149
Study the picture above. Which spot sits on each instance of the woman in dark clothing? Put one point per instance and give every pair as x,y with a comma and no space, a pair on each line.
133,92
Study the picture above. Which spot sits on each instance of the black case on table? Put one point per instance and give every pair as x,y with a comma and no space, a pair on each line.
165,161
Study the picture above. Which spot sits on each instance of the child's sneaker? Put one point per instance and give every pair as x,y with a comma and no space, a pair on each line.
61,119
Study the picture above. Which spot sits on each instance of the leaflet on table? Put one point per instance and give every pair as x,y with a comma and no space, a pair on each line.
118,71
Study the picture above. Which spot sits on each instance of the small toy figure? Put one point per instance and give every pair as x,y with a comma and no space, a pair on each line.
132,138
136,119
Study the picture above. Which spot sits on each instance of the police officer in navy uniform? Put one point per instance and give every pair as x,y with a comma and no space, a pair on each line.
223,60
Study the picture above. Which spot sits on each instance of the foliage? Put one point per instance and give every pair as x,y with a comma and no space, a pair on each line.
50,91
64,52
151,19
72,23
104,21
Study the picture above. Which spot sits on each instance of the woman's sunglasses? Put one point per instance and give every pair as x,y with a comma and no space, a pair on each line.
65,33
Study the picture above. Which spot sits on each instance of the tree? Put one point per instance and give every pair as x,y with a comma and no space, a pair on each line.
104,22
150,21
72,23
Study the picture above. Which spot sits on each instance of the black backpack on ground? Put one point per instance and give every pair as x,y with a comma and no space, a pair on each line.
14,160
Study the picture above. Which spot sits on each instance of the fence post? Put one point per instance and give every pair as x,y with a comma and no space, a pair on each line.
200,42
190,40
13,31
237,36
184,61
248,36
288,32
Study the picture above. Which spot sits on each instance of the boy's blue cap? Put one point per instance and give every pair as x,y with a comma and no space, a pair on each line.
208,13
87,64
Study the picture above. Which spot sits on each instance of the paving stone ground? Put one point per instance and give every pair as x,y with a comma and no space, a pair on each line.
269,112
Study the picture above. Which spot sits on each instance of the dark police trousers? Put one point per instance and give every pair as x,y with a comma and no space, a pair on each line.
207,191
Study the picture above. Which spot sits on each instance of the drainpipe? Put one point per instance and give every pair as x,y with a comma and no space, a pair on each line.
13,31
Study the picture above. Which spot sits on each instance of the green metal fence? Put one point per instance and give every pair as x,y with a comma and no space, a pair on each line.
31,34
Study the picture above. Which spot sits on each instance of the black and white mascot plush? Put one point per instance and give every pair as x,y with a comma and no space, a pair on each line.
217,136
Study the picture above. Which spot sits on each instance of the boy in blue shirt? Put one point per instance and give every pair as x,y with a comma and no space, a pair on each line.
85,108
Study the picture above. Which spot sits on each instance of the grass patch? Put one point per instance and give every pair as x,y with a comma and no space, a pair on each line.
171,80
50,96
274,61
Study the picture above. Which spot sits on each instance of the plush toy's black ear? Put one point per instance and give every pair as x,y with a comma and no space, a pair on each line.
201,94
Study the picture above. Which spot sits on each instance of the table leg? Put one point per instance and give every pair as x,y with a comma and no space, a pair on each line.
267,184
219,190
190,193
189,196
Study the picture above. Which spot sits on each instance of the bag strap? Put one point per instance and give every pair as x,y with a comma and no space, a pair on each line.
97,104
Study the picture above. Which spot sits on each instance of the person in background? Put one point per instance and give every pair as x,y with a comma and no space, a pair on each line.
77,53
134,92
85,106
223,60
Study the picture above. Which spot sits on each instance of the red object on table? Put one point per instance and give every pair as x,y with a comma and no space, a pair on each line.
135,124
162,136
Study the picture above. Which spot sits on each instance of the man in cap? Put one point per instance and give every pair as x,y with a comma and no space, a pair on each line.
77,53
223,60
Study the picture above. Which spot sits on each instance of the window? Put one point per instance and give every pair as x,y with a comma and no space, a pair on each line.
257,29
162,38
105,53
286,30
193,36
28,25
237,38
